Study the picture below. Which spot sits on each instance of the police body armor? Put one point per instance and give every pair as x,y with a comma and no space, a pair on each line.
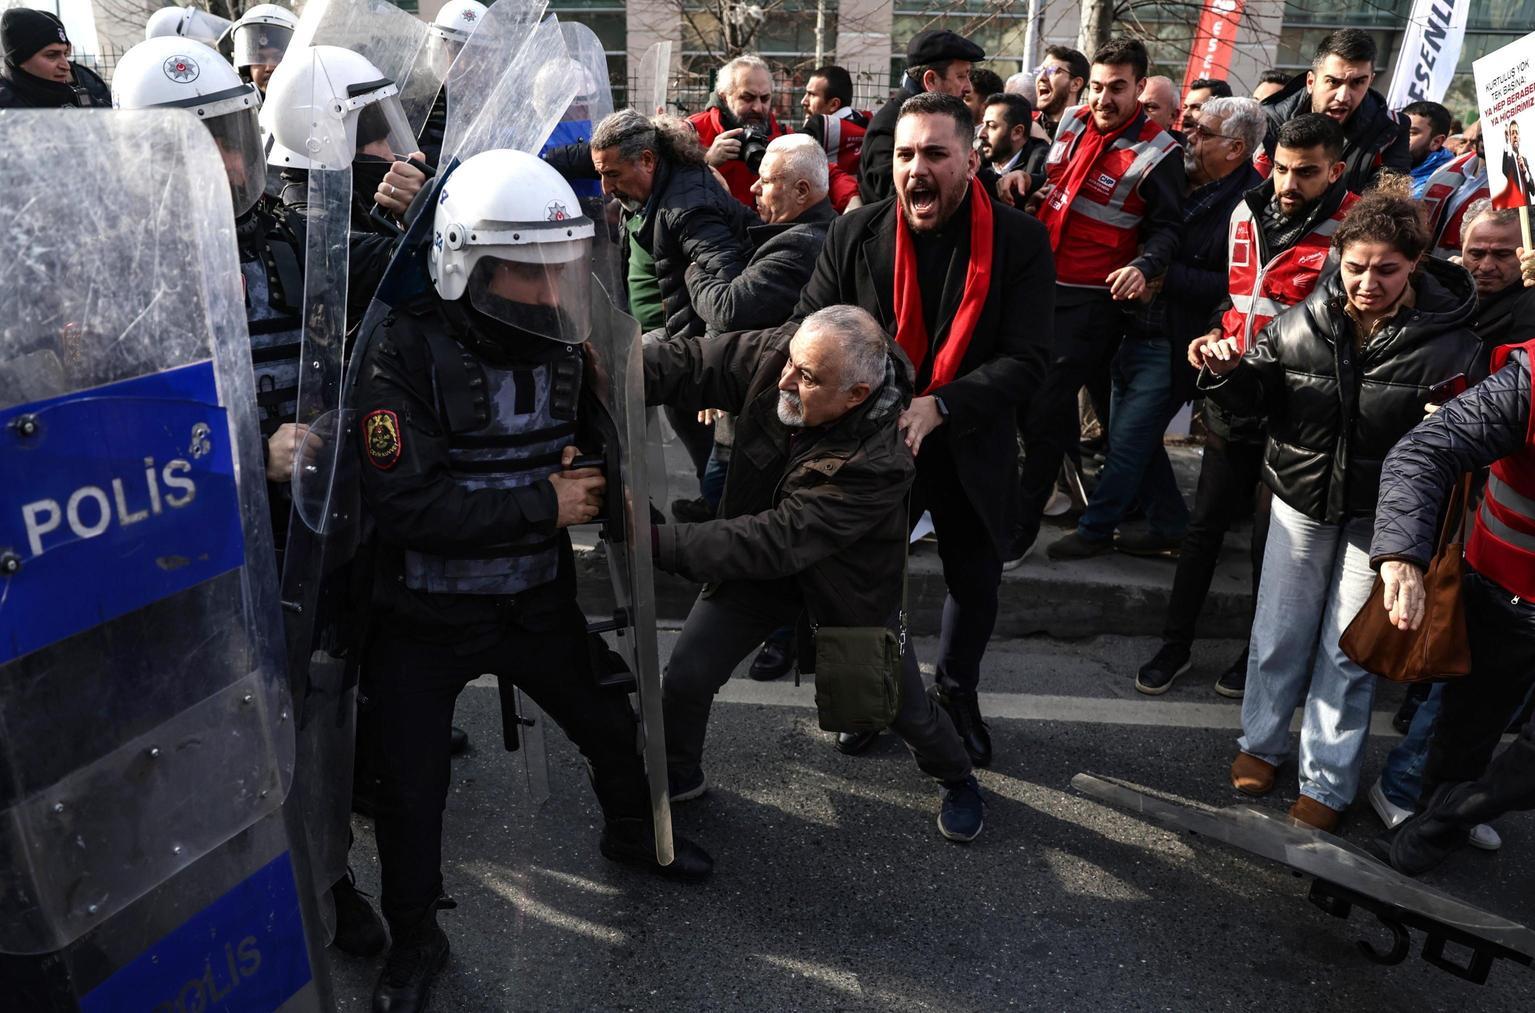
271,264
507,426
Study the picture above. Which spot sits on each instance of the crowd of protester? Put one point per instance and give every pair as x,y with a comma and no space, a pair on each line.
876,316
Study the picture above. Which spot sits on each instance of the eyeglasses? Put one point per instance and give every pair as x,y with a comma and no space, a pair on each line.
1046,69
1194,130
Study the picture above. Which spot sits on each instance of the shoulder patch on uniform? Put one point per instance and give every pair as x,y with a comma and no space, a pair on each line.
381,435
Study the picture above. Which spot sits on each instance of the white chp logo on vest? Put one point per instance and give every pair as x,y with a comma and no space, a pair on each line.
181,69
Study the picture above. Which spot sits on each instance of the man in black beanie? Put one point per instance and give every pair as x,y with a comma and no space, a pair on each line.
37,73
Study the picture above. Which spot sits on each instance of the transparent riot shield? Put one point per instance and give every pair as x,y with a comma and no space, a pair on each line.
322,531
1342,877
593,101
650,83
616,383
393,40
496,101
147,855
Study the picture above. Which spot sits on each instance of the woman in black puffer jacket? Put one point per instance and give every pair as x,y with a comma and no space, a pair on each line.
1341,377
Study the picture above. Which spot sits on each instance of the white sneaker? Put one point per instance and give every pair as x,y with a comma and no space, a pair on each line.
1486,838
1482,836
1391,814
1013,564
1057,504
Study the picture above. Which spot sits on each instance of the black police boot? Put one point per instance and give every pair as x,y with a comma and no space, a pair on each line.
414,961
965,711
359,931
630,842
458,741
775,659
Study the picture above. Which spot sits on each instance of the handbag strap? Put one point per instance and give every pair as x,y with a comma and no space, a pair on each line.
1456,512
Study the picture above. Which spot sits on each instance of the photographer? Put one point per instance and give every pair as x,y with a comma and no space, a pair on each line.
738,124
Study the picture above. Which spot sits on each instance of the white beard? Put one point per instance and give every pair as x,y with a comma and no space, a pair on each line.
790,412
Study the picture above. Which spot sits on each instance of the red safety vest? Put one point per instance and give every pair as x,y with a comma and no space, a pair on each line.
1502,543
708,126
1262,291
842,137
1449,193
1103,229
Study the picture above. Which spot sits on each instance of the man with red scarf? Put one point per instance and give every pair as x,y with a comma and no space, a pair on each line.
1113,205
967,290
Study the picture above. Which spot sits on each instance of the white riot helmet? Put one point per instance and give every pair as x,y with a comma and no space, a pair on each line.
187,23
324,104
511,235
262,34
179,73
457,19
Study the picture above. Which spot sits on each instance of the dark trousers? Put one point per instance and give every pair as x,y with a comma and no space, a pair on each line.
1229,472
723,628
411,687
1475,710
972,565
1088,329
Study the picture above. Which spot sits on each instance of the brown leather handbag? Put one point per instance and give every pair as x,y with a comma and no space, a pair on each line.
1439,648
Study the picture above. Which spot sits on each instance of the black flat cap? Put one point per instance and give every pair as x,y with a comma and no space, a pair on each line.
937,45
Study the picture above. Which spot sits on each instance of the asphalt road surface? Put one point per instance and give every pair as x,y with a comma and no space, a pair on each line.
834,891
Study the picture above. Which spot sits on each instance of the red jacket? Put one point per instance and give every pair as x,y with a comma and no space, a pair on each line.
1103,230
1261,291
709,125
1502,542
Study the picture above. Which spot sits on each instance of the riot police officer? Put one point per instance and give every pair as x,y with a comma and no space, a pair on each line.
181,73
260,38
472,400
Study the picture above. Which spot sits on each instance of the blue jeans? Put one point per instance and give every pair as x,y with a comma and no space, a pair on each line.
1402,777
1137,468
1316,578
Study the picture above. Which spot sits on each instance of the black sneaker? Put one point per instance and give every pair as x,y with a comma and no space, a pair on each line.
680,788
414,962
1233,681
359,932
963,812
773,661
1157,675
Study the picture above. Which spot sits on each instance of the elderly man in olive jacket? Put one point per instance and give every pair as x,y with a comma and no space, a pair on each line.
813,519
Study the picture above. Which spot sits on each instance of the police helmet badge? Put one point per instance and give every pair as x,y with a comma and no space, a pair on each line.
555,211
181,69
381,435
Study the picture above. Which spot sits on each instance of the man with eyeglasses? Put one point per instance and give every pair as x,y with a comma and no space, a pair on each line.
738,124
1277,250
1150,379
1058,85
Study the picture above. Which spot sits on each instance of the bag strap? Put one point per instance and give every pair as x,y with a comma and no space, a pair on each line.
1456,513
905,571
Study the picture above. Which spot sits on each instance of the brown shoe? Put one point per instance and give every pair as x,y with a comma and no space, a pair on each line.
1309,811
1252,776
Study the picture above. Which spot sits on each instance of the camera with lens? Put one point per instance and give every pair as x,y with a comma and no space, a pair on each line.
754,142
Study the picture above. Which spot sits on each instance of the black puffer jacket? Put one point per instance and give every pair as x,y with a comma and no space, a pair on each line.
1334,412
689,219
1375,138
20,90
1488,422
1505,318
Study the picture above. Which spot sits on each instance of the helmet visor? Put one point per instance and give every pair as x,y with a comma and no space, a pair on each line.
381,123
541,288
238,136
260,44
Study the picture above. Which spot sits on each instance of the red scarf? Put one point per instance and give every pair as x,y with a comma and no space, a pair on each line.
1090,145
910,328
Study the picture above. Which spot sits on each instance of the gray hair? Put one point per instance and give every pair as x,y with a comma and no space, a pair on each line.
725,81
1241,117
633,133
802,158
1482,208
1021,83
865,345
